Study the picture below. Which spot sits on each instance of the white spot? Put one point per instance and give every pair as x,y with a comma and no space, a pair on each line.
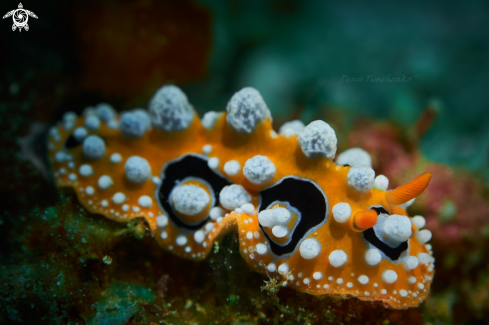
71,165
259,170
410,263
273,134
420,286
363,279
341,212
318,139
137,170
104,182
249,235
419,221
92,123
80,133
280,231
317,275
361,178
256,234
261,248
407,204
354,156
60,156
403,293
93,147
310,248
326,286
271,267
291,128
207,149
72,177
381,183
412,280
209,226
376,285
306,281
233,196
349,285
125,207
145,201
372,256
245,110
170,109
190,200
162,221
199,236
181,240
156,180
383,291
389,276
213,163
216,212
300,275
85,170
89,190
338,258
423,236
424,258
119,198
104,203
339,281
115,158
209,119
283,268
134,124
397,228
232,167
135,209
219,220
248,208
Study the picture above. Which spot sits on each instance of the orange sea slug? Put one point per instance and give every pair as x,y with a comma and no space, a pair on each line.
325,227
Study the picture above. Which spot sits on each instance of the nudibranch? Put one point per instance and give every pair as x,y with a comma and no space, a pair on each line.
324,226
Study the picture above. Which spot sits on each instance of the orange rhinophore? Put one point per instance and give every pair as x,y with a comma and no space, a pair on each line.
409,191
326,227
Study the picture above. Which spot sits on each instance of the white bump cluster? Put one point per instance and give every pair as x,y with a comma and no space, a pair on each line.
397,228
372,256
291,128
341,212
318,139
209,119
381,183
233,196
361,178
274,218
137,170
354,156
338,258
94,147
170,109
310,248
245,109
189,199
259,170
232,167
134,124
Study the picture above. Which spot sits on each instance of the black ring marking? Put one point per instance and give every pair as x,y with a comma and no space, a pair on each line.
71,142
380,210
306,197
187,167
392,253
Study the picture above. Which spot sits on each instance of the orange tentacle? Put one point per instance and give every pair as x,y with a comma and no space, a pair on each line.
409,190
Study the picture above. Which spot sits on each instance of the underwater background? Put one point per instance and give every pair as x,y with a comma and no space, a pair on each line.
310,60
